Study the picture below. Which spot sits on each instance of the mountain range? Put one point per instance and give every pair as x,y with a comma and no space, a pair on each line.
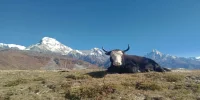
97,57
175,62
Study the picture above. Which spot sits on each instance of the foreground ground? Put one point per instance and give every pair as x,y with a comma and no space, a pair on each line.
97,85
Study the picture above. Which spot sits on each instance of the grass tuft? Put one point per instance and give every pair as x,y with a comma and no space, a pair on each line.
128,84
89,92
194,87
39,79
78,76
97,74
147,85
15,82
174,77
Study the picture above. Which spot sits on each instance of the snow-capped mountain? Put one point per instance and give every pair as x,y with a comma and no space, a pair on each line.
47,44
12,46
170,61
50,44
155,54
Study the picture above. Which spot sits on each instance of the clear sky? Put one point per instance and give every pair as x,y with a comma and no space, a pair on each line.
170,26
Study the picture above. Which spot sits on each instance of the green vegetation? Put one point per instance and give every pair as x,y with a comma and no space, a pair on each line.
97,85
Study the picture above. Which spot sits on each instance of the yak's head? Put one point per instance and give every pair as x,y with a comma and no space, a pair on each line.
116,56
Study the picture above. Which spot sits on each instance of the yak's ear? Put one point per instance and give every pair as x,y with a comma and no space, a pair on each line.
108,53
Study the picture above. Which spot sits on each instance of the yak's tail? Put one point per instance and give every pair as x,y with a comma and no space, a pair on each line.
162,69
159,68
167,69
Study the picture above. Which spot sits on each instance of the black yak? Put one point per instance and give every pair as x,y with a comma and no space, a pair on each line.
122,63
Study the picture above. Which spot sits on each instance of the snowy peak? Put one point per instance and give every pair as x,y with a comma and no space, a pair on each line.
96,51
50,44
92,52
49,41
2,45
157,52
198,57
53,45
74,52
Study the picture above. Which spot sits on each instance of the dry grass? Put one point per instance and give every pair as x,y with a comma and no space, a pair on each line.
97,85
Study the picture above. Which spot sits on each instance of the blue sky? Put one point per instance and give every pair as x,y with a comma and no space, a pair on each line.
170,26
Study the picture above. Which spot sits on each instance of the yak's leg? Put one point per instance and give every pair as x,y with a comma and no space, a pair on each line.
113,69
166,69
149,68
135,69
132,68
159,69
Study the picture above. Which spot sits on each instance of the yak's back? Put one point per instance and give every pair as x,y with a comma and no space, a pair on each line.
136,59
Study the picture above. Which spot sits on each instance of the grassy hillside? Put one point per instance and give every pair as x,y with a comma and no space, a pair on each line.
97,85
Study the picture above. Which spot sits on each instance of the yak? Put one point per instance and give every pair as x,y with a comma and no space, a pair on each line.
123,63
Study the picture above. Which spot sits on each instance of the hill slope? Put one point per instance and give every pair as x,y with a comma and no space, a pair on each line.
16,59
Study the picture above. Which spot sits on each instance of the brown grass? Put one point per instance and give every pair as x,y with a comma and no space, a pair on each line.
97,85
